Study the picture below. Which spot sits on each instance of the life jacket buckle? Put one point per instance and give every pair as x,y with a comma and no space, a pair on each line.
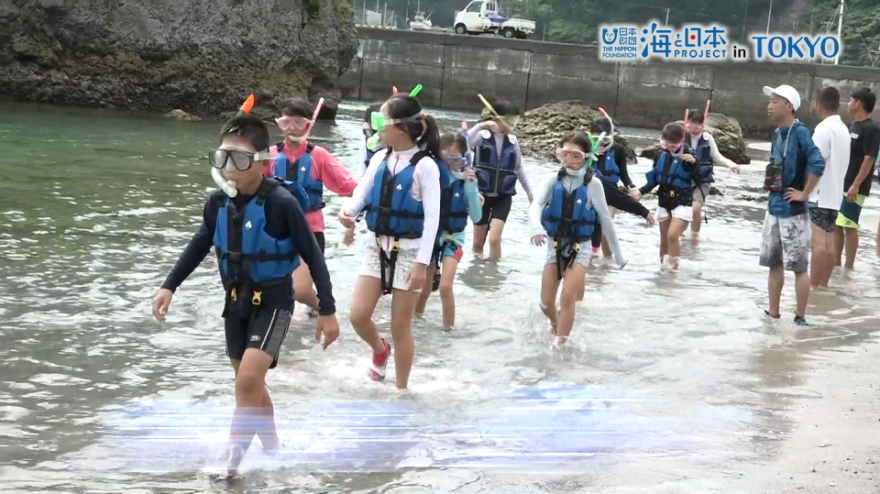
449,237
671,193
258,297
395,246
233,294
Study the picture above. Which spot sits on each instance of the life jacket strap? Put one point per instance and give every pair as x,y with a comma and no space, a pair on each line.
389,261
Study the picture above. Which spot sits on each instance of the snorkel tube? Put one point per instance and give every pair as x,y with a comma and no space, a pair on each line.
467,153
372,141
611,134
228,186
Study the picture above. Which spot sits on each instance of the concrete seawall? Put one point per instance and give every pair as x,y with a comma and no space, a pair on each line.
453,69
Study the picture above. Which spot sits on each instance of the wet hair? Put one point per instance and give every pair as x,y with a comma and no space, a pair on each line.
505,108
866,97
601,124
673,132
296,107
579,139
423,132
829,99
249,127
696,116
451,139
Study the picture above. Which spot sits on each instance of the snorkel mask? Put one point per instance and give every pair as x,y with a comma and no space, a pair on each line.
229,186
378,120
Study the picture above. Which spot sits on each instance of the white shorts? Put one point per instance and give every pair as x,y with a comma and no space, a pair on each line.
685,213
371,266
583,256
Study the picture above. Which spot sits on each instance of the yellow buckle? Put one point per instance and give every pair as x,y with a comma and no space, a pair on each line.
671,193
396,246
449,237
233,294
258,297
577,247
555,245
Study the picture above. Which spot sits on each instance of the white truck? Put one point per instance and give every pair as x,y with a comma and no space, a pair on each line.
481,16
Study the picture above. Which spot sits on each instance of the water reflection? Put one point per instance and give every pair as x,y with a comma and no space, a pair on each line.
671,383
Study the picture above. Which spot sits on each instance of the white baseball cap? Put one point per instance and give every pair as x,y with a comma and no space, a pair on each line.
787,92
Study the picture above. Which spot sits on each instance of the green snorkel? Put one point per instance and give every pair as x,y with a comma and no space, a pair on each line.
377,120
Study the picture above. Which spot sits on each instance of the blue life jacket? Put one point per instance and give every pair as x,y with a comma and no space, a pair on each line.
246,254
703,153
569,216
391,209
670,171
607,169
496,171
453,207
301,173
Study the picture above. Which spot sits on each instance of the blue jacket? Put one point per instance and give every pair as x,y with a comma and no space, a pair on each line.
391,209
607,169
459,199
246,254
569,216
496,172
301,173
703,153
670,172
802,158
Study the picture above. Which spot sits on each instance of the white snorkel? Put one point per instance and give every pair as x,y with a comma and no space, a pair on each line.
605,146
227,186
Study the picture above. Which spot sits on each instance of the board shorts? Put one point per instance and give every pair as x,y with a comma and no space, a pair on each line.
265,329
446,247
495,208
582,257
685,213
701,194
372,267
786,242
850,212
824,218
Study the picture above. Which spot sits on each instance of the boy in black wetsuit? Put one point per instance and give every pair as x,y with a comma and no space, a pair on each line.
610,168
260,234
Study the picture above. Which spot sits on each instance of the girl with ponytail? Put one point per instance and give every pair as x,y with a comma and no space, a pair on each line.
400,193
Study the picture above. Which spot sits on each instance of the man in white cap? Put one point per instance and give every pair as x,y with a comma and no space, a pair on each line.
794,170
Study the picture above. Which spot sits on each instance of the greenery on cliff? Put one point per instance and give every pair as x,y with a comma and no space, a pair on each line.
861,28
577,21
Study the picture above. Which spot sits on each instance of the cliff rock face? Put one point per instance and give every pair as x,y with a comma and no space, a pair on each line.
202,56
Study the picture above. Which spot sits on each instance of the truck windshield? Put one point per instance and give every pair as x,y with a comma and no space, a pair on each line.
475,7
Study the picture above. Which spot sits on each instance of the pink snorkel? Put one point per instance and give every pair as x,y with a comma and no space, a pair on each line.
314,119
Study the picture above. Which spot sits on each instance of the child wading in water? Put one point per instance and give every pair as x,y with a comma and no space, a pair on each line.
570,205
400,192
498,164
313,168
610,168
259,235
678,175
460,199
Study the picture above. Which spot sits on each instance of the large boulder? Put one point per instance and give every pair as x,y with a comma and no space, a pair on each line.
181,115
728,136
542,128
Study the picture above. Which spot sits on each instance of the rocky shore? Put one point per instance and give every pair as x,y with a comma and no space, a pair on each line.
193,55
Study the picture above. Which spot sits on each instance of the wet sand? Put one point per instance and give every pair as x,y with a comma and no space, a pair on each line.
835,444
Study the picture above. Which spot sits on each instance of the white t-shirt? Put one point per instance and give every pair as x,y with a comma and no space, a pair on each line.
833,140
